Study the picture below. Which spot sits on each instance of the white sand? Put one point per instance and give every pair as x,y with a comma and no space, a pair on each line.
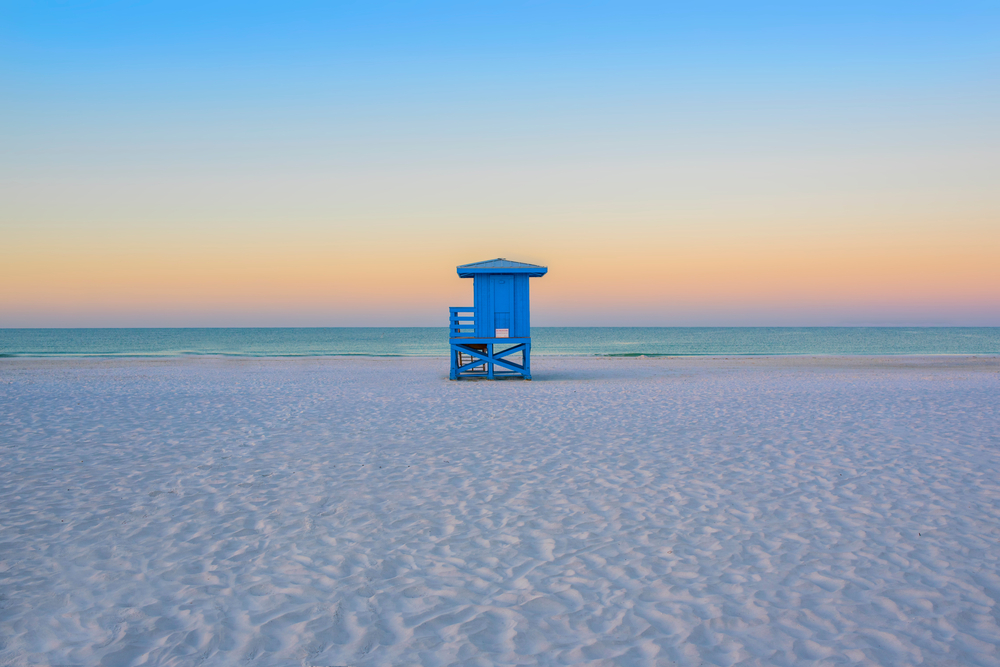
613,511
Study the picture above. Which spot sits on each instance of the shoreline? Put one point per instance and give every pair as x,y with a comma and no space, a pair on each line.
222,355
544,363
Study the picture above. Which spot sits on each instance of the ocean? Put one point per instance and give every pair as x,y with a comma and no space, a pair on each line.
433,341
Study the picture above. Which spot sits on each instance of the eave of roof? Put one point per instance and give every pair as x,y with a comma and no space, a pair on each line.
501,265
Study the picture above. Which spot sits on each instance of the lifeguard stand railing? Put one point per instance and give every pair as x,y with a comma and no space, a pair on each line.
492,339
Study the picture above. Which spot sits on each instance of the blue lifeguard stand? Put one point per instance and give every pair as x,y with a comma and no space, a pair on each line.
487,339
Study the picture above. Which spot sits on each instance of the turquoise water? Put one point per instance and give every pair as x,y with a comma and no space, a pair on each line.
430,341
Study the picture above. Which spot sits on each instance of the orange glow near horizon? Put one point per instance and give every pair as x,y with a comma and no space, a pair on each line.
629,276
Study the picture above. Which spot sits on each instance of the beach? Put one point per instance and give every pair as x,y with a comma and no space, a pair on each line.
613,511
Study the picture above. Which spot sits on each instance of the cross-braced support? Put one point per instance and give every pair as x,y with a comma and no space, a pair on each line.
487,358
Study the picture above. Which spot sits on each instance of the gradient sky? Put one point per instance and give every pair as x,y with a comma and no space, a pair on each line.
329,164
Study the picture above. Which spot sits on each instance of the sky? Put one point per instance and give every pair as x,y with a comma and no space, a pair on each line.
330,164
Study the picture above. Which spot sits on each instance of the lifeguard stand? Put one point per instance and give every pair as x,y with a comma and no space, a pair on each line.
487,339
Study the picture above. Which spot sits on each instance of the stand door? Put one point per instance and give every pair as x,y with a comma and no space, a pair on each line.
502,287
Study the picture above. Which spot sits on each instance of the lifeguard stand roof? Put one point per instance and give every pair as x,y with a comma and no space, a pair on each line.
501,265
